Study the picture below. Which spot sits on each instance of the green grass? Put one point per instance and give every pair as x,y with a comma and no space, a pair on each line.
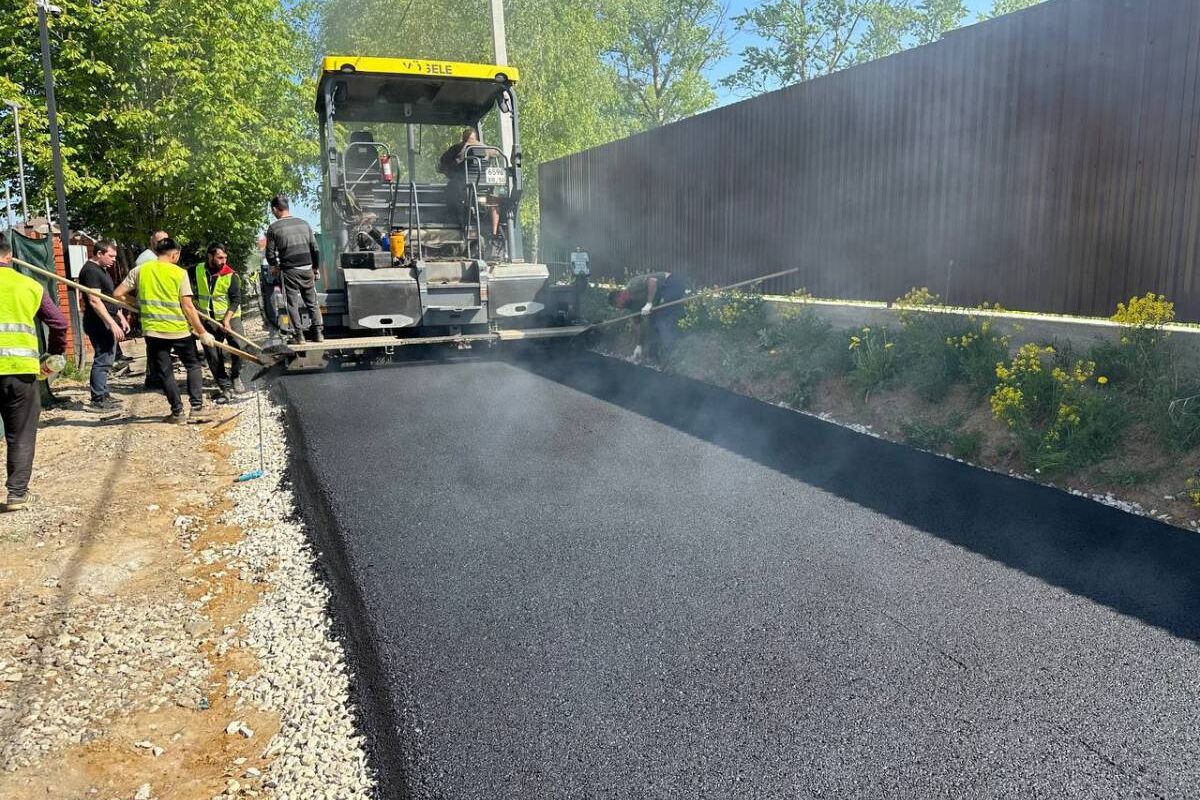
1126,477
944,437
966,445
876,361
73,373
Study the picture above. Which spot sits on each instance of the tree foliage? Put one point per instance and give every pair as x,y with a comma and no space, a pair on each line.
570,100
450,30
661,50
181,114
804,39
1001,7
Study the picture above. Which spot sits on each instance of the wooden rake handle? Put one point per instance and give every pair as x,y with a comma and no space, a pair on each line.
131,307
698,295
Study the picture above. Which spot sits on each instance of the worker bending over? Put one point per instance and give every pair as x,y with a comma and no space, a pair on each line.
169,320
647,292
23,304
219,295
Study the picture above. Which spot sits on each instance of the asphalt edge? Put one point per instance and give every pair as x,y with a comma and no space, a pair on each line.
375,715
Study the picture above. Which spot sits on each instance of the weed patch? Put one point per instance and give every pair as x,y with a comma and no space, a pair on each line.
939,350
1160,378
948,437
1126,477
875,362
733,311
1049,403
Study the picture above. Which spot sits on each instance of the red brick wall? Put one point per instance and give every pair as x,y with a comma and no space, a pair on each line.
60,267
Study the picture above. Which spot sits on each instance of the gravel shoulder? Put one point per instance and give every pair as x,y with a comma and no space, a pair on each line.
164,632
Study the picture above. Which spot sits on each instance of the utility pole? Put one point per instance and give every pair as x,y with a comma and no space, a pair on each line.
16,112
60,190
500,45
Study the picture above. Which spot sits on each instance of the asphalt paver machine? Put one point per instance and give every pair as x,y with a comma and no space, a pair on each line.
409,252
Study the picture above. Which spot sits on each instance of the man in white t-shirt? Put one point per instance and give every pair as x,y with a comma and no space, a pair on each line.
580,262
581,269
148,254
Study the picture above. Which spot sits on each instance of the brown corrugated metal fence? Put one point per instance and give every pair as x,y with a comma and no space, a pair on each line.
1046,160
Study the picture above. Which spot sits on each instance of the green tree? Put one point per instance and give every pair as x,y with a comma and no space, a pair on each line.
179,114
932,18
1001,7
804,39
661,51
449,30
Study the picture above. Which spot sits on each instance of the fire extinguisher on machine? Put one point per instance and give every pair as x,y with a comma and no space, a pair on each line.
385,165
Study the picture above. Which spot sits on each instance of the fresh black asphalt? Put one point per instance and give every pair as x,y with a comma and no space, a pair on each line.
580,579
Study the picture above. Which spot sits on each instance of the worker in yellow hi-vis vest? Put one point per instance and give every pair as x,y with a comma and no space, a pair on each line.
23,304
171,324
219,295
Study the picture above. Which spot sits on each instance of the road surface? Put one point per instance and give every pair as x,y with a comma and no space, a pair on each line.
580,579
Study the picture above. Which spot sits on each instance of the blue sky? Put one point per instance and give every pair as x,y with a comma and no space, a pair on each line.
718,71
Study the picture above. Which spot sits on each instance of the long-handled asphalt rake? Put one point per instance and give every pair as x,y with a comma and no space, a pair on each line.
695,296
263,359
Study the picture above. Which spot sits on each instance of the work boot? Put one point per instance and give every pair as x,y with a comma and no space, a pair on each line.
298,337
105,404
176,417
318,334
19,502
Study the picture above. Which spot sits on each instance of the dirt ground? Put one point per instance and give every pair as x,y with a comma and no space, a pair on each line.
118,642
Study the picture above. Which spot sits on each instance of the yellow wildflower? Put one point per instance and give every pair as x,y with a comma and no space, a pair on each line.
1151,311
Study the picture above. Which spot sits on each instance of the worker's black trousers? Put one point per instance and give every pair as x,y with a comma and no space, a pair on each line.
301,289
158,358
20,404
217,357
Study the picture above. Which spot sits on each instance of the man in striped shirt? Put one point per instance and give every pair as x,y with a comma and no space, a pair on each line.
292,252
